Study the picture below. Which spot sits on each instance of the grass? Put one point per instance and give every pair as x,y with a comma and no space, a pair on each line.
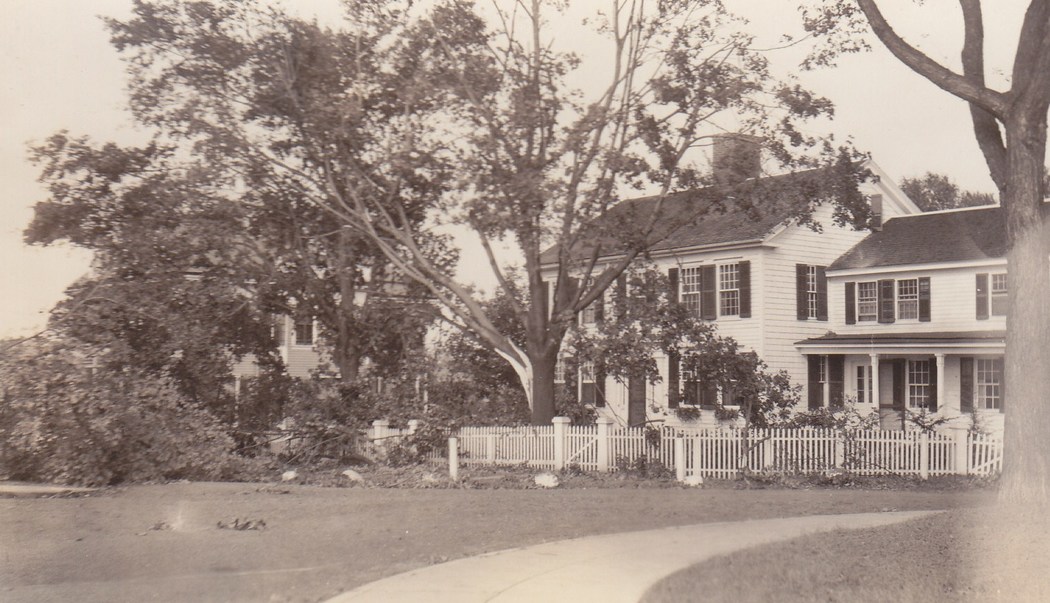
962,555
163,543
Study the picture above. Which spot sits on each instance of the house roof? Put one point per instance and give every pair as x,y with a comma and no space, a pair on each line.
890,339
700,217
956,235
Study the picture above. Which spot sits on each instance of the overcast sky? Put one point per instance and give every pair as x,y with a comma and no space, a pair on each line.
58,71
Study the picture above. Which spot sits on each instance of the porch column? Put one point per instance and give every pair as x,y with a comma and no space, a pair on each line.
875,381
940,383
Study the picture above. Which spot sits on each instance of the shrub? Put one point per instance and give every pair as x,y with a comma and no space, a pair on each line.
59,422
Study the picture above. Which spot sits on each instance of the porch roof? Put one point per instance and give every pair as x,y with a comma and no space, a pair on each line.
954,341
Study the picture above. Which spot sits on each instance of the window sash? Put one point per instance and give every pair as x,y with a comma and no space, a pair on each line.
999,297
918,383
867,302
864,384
559,370
587,372
689,285
729,289
988,383
304,333
908,299
811,291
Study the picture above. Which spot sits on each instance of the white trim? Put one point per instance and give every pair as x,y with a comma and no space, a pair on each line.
901,348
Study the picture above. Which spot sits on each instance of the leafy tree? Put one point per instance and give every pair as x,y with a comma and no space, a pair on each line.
643,321
1010,127
165,295
205,200
932,192
541,164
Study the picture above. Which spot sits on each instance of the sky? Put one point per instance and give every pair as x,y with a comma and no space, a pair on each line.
58,72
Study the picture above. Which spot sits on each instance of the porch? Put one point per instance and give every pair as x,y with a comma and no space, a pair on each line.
949,379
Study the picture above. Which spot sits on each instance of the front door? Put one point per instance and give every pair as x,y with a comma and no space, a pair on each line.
636,401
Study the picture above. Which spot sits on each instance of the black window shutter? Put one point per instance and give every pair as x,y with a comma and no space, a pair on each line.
587,395
801,307
708,293
899,395
836,380
851,303
932,404
672,280
599,388
744,276
816,390
599,308
924,299
887,313
966,384
673,389
982,296
822,293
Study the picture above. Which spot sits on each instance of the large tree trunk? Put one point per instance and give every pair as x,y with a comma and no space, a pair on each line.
543,363
1026,467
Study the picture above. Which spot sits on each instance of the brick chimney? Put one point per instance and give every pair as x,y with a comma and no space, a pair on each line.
735,158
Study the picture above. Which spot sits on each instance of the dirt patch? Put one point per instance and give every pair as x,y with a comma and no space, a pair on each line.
321,541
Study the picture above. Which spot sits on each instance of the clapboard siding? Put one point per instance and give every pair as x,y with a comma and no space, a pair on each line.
953,301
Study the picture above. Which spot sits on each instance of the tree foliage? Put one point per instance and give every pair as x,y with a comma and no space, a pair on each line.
933,192
543,163
61,421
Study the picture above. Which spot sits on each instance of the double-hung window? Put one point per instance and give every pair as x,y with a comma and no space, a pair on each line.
989,383
867,302
999,295
908,299
729,290
304,331
559,370
918,383
864,384
811,292
690,289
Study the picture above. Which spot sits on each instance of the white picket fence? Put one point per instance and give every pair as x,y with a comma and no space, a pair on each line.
725,453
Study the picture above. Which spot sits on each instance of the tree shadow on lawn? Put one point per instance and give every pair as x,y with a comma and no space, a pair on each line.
974,554
318,542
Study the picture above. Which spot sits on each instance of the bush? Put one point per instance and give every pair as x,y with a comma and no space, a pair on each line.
59,422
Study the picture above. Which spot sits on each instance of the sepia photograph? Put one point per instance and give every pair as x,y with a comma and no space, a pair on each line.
524,300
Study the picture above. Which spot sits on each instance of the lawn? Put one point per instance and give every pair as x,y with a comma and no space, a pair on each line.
950,556
163,543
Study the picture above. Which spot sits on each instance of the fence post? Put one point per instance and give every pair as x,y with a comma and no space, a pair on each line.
962,452
413,426
379,429
604,432
840,449
679,458
924,455
767,450
453,459
561,436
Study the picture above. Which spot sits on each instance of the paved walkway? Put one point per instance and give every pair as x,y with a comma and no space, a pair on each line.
608,568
